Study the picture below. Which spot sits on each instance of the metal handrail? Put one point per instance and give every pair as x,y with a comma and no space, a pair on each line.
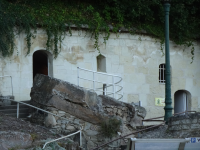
81,127
99,72
11,81
66,137
110,92
35,108
113,84
151,119
127,135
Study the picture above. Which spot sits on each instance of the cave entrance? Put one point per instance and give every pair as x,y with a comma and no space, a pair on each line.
42,63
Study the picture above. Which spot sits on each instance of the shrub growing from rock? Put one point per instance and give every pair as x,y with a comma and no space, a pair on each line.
110,127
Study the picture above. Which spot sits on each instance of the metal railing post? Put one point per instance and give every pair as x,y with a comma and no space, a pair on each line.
78,76
80,138
104,87
122,93
17,110
93,82
60,138
11,84
106,90
113,82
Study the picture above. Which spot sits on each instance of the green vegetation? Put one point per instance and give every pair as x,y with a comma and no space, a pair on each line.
110,127
57,16
34,136
14,148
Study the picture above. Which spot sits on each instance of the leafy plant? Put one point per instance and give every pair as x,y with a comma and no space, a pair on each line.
14,148
110,127
102,17
34,136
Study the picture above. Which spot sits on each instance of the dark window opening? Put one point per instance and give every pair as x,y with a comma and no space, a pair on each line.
162,73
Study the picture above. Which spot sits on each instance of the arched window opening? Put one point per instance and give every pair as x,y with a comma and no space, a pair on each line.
42,63
101,63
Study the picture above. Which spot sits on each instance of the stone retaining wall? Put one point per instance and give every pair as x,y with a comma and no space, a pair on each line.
91,136
185,122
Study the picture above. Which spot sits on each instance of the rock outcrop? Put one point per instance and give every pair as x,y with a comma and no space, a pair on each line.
80,107
14,139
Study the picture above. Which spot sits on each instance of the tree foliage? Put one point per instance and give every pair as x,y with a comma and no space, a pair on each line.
57,16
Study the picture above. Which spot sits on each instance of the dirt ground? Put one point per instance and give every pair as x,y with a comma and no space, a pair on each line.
37,132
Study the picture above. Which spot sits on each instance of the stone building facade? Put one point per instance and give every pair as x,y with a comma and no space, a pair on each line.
136,58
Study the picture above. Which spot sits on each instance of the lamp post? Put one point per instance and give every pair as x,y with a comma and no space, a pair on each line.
168,101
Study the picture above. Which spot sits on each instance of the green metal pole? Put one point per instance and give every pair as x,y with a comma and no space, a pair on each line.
168,101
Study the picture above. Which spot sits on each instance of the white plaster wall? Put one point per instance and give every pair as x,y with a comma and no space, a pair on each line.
135,58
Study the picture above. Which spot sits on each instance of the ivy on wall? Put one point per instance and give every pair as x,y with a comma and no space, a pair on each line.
57,16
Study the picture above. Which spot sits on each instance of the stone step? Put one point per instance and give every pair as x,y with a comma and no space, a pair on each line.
13,107
11,110
21,110
21,115
15,103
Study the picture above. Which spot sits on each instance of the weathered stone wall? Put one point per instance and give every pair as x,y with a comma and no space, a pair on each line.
80,108
185,123
135,58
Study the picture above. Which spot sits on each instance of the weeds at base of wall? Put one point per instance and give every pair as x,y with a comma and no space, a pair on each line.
110,127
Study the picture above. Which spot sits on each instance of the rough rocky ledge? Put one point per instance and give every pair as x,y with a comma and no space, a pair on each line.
80,107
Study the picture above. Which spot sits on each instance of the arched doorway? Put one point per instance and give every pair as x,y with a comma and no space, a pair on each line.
42,63
182,101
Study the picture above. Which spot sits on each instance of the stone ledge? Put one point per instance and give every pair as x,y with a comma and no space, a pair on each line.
184,122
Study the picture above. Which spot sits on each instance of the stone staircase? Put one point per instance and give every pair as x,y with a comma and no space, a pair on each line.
11,110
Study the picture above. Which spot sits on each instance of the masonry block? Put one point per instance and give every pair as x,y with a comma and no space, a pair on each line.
185,127
175,122
194,120
195,126
186,121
